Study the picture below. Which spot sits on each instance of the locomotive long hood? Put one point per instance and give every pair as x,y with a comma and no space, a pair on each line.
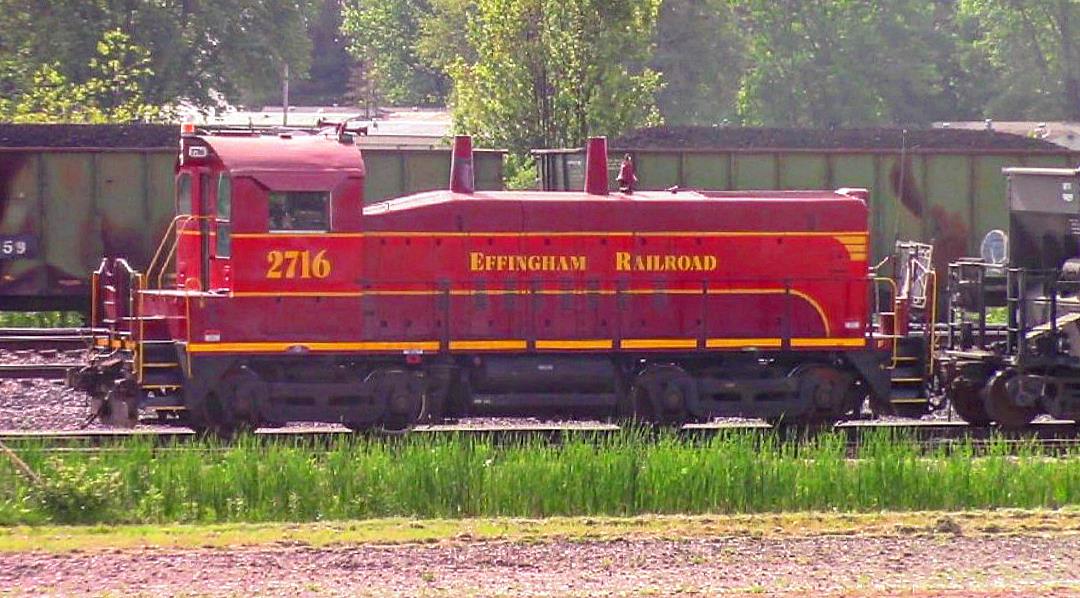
776,211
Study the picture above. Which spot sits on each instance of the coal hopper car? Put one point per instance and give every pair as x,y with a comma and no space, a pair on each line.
1012,351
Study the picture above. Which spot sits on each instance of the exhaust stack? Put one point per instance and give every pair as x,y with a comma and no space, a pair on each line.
596,174
461,165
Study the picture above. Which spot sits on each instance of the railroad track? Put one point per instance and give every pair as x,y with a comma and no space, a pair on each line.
51,371
44,339
42,342
1053,436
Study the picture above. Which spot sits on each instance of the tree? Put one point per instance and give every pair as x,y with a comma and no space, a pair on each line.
831,63
113,93
550,73
1034,49
700,53
198,50
384,36
327,81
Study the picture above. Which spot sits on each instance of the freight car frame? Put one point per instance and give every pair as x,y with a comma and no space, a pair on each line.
1011,373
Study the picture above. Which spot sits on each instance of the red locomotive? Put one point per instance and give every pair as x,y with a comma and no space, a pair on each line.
292,300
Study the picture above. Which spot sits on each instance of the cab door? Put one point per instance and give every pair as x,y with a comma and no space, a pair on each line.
221,229
193,197
205,212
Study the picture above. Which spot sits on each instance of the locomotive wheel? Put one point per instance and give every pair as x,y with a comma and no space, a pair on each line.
119,408
998,398
662,395
965,397
211,418
242,393
825,392
406,401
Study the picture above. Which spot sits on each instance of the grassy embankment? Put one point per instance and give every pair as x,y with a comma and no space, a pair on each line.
450,477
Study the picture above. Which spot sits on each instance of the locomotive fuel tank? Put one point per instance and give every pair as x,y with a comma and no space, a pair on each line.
545,374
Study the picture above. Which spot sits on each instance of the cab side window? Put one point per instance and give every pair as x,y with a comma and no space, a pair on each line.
224,214
299,211
183,194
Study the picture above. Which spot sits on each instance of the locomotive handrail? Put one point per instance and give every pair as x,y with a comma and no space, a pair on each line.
140,284
95,280
894,337
172,250
932,274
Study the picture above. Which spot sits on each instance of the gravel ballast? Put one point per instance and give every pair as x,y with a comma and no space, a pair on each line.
938,565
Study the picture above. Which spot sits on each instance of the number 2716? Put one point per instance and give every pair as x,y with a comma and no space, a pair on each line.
297,264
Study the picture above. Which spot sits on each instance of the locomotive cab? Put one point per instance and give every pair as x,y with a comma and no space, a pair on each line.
248,204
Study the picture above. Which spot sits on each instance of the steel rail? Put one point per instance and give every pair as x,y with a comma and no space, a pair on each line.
48,371
44,343
23,331
940,435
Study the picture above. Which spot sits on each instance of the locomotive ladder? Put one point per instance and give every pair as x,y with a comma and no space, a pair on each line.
912,355
157,366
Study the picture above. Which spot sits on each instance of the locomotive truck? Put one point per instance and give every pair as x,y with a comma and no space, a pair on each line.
277,296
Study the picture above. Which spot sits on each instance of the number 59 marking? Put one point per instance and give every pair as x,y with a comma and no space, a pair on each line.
297,264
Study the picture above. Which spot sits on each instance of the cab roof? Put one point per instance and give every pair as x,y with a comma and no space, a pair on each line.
269,154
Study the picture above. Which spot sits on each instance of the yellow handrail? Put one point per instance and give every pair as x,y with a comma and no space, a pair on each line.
894,335
140,284
187,323
93,301
933,324
172,249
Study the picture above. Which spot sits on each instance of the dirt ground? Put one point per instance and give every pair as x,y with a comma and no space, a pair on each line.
944,559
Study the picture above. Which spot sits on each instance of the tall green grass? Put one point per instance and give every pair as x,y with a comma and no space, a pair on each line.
458,476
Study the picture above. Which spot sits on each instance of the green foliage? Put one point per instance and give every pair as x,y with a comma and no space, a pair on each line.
519,172
1034,49
454,476
384,37
700,53
549,74
846,62
77,492
195,49
41,319
113,92
328,77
